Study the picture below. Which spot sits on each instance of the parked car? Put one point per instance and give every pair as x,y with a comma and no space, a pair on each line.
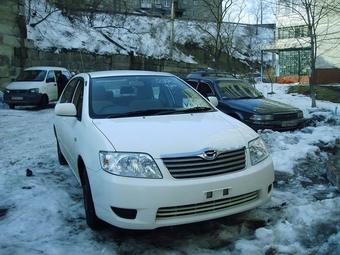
209,73
34,86
149,151
242,101
255,78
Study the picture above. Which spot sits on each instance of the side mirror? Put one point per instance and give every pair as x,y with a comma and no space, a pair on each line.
65,109
213,100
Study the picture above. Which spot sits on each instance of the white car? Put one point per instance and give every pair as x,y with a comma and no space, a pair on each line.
34,86
150,151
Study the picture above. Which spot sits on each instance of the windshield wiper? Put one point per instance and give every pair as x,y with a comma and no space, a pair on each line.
197,109
185,110
158,112
143,112
246,97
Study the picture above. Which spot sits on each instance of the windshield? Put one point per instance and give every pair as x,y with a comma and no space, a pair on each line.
113,97
237,89
32,75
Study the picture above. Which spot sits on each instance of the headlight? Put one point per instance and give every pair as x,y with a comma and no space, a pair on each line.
258,150
7,91
129,165
261,117
35,90
300,114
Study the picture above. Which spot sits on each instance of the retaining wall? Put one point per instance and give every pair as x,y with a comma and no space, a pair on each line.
17,52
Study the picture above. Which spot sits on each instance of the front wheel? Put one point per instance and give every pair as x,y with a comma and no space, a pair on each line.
91,218
44,102
11,106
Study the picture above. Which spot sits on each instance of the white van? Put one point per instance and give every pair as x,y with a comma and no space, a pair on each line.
34,86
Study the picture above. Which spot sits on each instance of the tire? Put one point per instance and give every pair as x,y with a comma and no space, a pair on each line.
44,102
61,158
11,106
91,218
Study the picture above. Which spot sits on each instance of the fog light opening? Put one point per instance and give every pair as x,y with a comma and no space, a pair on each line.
125,213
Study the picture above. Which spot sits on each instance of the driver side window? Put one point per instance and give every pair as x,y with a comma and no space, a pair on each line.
50,76
205,90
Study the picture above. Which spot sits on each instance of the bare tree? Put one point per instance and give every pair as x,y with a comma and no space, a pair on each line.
322,20
32,12
218,9
231,43
260,11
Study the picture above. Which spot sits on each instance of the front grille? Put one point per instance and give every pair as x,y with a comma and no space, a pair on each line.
285,116
206,207
196,166
17,91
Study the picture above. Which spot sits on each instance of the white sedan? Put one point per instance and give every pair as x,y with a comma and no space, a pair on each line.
149,151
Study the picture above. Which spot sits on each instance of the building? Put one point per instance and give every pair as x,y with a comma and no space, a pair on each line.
183,9
293,46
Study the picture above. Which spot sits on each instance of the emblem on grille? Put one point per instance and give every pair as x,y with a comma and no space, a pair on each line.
210,154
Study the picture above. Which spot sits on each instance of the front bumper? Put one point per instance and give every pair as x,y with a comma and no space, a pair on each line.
277,125
22,98
133,203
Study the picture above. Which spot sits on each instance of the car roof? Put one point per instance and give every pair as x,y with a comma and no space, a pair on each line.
126,73
214,79
46,68
209,73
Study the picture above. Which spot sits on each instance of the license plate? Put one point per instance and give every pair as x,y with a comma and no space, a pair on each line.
17,98
290,123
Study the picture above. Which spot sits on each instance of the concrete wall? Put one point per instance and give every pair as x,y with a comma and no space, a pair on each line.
18,53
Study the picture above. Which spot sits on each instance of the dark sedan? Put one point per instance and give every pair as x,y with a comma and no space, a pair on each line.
242,101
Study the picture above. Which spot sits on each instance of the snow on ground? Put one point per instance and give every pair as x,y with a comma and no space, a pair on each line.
43,213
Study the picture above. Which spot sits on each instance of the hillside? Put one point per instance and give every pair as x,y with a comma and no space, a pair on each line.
53,29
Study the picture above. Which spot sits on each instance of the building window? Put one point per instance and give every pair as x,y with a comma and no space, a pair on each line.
195,2
206,14
293,32
294,62
286,7
195,13
185,2
166,3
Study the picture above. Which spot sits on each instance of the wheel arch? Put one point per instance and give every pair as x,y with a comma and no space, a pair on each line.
81,169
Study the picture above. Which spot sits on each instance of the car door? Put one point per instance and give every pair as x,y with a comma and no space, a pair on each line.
68,126
51,84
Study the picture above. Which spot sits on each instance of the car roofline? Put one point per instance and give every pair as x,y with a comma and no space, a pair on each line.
111,73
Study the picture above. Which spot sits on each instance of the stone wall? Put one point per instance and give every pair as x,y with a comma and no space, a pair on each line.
12,36
17,52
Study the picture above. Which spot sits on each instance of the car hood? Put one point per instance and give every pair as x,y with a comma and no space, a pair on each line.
259,105
175,134
23,84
